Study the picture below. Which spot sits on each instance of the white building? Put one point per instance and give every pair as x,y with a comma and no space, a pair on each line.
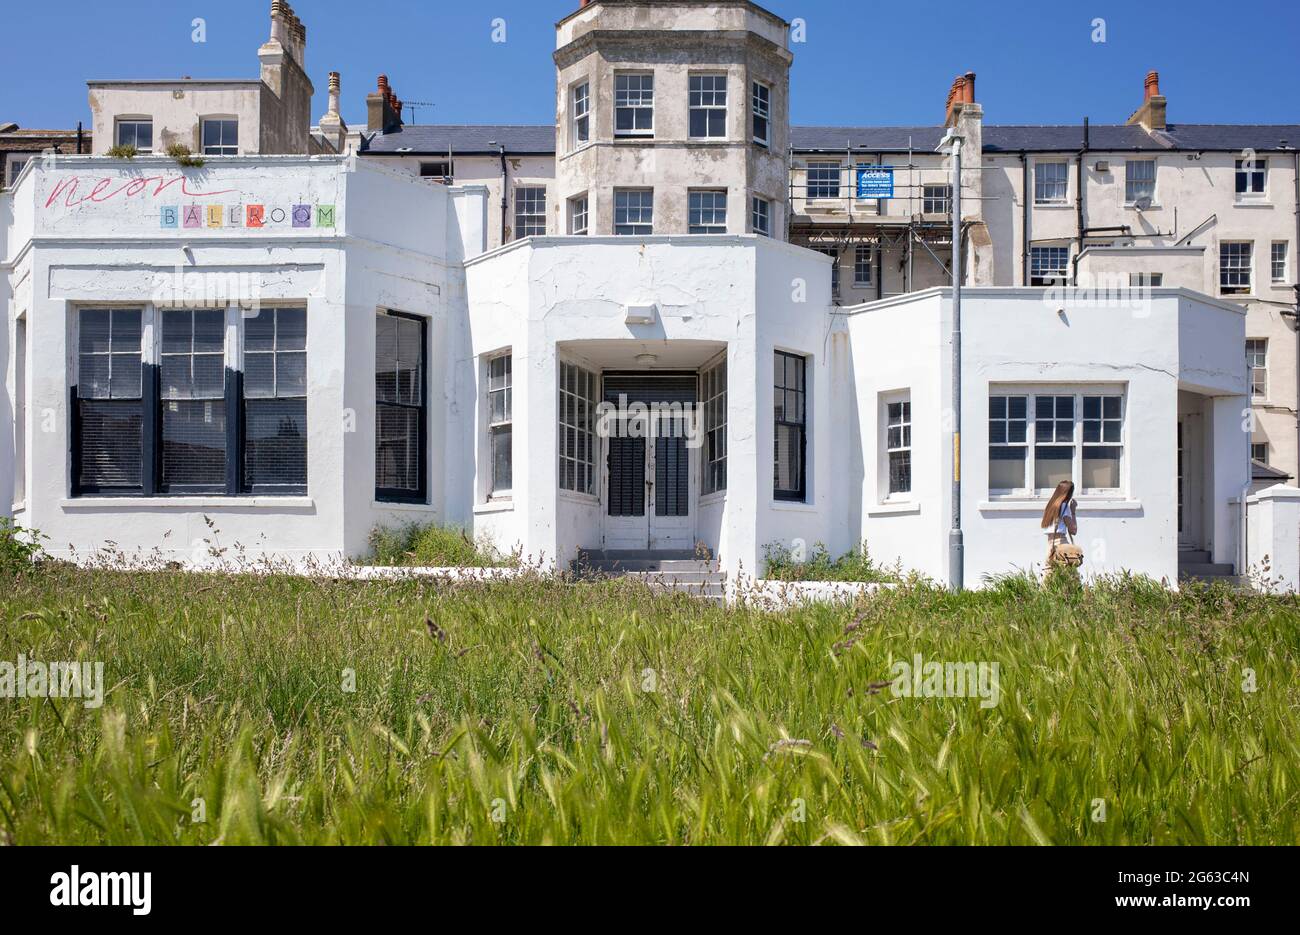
272,355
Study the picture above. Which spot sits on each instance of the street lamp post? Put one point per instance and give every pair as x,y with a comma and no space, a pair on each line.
956,546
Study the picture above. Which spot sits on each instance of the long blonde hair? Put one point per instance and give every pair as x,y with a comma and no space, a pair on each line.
1061,495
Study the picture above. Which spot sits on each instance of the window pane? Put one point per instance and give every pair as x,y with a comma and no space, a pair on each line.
259,375
291,329
111,442
210,330
501,460
1101,467
275,442
1006,468
259,330
397,447
1052,464
94,326
788,458
194,442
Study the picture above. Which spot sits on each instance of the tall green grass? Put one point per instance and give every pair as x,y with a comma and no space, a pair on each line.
543,712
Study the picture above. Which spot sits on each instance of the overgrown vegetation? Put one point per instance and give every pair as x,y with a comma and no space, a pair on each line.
123,151
539,711
433,546
18,547
787,564
184,156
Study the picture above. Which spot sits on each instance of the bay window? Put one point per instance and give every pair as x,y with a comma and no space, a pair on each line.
577,429
713,398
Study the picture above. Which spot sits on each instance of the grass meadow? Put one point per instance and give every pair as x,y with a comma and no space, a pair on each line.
544,712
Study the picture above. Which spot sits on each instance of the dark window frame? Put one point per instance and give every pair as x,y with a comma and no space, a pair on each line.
800,492
239,429
421,492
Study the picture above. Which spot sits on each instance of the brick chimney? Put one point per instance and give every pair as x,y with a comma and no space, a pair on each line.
383,109
960,94
1151,115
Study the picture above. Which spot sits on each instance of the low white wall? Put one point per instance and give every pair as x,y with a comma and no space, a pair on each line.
1273,538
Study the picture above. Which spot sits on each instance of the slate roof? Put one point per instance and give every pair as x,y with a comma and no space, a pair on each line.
540,139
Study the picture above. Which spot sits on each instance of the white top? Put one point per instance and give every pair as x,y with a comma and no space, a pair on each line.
1061,528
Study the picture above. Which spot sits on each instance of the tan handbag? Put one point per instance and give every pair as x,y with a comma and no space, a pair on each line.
1067,553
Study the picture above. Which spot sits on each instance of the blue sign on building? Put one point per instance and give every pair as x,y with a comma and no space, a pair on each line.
875,182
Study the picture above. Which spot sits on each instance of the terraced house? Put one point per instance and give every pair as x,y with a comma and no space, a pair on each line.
668,322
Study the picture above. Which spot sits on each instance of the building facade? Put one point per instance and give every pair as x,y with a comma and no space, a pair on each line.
270,358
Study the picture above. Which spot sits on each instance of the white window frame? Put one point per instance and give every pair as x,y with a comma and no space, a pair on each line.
14,165
864,261
760,215
936,198
1259,452
1077,443
1257,175
705,97
895,440
223,148
576,424
637,96
760,102
1257,367
497,426
644,212
713,402
1277,259
706,211
530,211
1146,280
826,188
1139,187
1236,277
119,122
580,114
578,215
1045,188
1042,274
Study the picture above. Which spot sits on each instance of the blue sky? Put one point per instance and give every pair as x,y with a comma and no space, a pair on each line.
863,62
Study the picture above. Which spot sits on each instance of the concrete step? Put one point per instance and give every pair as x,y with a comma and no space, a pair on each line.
640,565
696,576
1205,569
602,555
1193,556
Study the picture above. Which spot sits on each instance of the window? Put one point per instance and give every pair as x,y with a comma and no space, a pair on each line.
862,263
1257,361
581,113
578,214
108,444
708,212
790,423
440,171
400,413
193,400
834,254
761,112
1259,452
221,137
499,407
713,397
530,212
760,221
1050,183
275,401
823,180
634,105
1277,261
137,133
936,199
1048,266
634,211
1076,436
708,106
1234,267
898,445
15,168
1250,176
577,429
1139,181
1146,280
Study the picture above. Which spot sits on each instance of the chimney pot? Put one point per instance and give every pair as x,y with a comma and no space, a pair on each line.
1152,84
969,84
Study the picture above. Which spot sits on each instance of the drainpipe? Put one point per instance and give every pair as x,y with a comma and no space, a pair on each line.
505,190
1078,202
80,137
1024,221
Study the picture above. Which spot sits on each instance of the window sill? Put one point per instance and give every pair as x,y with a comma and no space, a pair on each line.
574,496
793,506
898,508
1132,206
400,506
1052,204
716,496
1258,202
494,506
1037,504
296,504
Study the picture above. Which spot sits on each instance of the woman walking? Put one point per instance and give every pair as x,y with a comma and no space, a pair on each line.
1058,518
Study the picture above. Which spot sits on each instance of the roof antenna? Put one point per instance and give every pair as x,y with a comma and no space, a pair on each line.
412,105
